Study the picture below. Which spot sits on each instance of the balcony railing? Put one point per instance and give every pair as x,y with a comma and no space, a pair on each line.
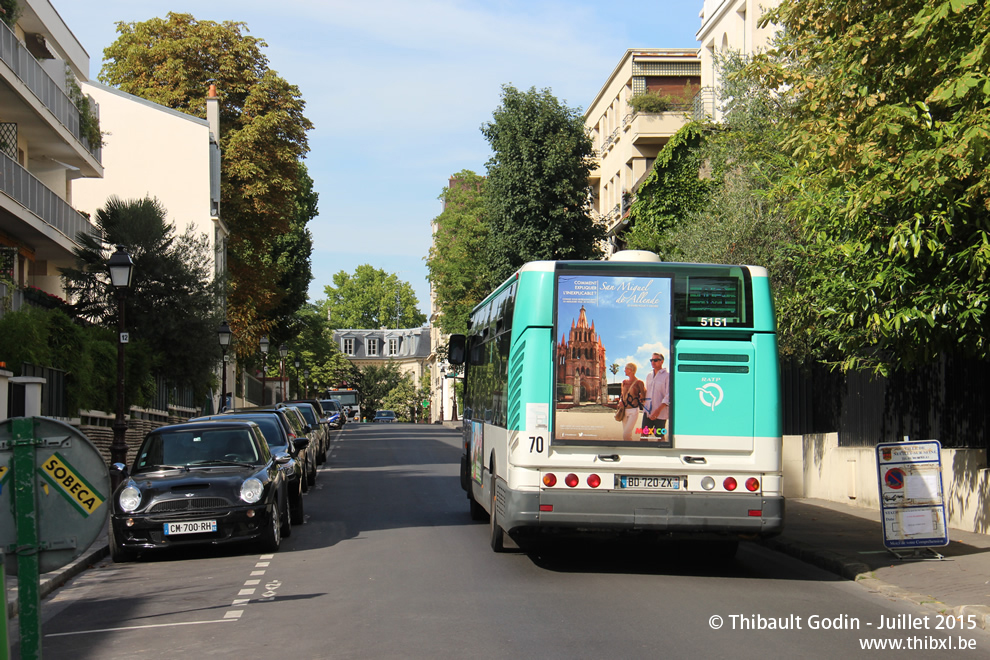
35,196
703,106
25,67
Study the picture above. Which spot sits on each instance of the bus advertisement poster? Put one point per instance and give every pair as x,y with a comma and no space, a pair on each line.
613,330
909,477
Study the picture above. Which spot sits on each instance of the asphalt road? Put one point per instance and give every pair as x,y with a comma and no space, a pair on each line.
389,565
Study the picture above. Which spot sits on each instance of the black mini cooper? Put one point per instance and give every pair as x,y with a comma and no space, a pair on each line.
200,483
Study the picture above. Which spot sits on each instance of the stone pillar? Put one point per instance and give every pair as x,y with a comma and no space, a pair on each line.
32,394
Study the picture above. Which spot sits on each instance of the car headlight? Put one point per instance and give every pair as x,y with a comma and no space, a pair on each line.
130,498
251,490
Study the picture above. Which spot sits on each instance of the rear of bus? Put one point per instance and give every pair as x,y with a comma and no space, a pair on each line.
562,461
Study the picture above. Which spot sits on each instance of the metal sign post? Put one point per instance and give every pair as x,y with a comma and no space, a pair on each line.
912,508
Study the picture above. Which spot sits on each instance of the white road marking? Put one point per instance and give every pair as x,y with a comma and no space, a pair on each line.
233,614
152,625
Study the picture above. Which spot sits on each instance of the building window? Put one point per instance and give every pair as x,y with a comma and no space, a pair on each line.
371,347
348,346
393,346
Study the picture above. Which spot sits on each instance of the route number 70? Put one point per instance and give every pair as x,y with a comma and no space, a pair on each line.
536,444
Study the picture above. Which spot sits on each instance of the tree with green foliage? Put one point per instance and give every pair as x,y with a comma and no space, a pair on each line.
86,353
888,127
455,269
404,399
671,190
537,191
172,304
375,382
371,298
172,62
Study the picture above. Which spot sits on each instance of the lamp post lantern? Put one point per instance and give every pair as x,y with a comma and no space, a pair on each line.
121,268
223,336
264,367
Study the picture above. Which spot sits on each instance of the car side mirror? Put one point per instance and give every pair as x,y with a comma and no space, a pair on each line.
300,443
282,458
119,468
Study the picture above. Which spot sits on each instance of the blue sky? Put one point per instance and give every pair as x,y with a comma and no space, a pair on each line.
398,89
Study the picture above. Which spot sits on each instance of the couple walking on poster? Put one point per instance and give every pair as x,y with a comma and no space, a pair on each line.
653,397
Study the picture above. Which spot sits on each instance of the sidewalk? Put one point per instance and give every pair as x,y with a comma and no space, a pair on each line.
836,537
848,541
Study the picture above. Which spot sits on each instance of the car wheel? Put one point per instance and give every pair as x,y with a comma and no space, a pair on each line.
272,538
495,532
311,475
286,520
298,514
118,553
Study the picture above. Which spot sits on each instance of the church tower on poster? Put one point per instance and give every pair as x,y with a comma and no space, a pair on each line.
581,363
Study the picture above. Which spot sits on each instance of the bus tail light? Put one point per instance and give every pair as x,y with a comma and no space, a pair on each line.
729,483
572,480
594,481
755,513
752,484
549,480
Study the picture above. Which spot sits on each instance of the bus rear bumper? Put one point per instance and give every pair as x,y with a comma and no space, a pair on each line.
675,514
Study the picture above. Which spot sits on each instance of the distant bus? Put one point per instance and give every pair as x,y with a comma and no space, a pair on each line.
350,401
544,359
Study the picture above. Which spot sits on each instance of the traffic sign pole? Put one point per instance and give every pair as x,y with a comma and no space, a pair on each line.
25,500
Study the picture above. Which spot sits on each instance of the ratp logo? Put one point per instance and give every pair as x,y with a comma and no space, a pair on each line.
711,395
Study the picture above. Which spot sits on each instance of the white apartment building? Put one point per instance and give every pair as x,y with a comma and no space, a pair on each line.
626,142
729,25
153,151
43,149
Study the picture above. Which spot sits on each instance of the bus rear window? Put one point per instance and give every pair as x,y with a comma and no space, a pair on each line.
712,301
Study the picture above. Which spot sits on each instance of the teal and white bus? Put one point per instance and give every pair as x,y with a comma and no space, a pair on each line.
558,436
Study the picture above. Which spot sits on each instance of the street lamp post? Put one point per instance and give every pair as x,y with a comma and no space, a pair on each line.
305,383
121,269
297,378
283,352
443,382
264,367
223,335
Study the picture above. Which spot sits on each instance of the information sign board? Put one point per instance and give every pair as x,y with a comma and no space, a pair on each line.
912,507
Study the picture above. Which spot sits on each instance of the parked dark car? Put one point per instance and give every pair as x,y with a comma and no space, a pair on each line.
279,443
316,418
334,412
295,426
384,417
200,483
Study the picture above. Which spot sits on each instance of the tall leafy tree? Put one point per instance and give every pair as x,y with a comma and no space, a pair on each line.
172,61
172,304
889,128
371,298
459,236
537,192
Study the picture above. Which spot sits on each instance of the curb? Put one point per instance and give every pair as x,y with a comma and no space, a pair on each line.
857,571
53,580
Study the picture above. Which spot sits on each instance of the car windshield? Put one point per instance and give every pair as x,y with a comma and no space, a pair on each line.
307,412
330,405
189,448
385,413
270,428
345,398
